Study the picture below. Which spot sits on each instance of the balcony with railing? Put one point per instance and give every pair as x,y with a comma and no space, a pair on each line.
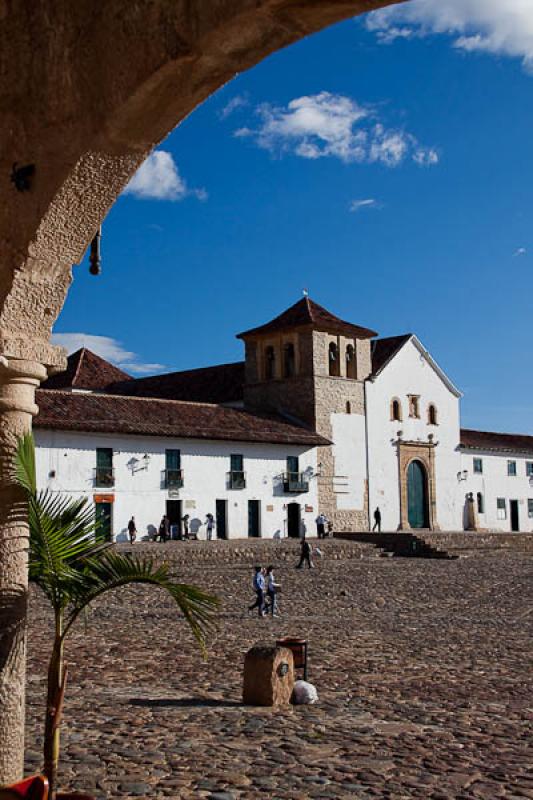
295,483
104,477
172,478
236,479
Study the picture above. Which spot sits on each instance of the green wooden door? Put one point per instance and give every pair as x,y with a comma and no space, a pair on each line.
417,498
103,515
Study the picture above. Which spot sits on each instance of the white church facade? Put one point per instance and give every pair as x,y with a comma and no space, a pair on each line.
322,416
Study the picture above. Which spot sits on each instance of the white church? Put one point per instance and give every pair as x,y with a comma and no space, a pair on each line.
321,416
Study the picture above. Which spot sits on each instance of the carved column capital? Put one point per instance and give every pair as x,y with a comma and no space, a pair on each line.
18,381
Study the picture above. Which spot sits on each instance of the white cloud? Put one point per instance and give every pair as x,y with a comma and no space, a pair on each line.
367,202
158,178
492,26
106,347
520,251
333,125
239,101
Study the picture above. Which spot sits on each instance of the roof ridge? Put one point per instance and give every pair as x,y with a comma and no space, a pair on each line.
97,393
182,371
496,433
81,351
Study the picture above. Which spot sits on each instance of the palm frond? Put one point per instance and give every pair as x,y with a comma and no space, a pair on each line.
63,531
112,570
24,472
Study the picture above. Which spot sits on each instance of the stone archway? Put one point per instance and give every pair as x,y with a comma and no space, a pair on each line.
422,453
90,89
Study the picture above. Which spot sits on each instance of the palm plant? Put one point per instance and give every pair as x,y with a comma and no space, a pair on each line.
71,563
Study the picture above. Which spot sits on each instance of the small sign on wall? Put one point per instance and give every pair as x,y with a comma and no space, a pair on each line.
104,498
270,508
190,504
308,509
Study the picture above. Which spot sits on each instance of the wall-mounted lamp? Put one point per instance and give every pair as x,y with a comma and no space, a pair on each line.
95,260
462,476
136,464
22,176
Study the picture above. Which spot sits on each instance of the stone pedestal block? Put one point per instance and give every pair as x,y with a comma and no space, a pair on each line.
268,676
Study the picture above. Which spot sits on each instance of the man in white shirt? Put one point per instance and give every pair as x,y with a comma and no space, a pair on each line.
259,588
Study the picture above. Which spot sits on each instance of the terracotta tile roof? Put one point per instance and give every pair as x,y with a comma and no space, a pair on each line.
488,440
105,413
384,349
308,313
86,370
219,384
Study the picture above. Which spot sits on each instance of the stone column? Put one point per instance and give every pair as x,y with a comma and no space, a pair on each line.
18,381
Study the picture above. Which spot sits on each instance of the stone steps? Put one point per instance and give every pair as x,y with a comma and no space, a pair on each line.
247,551
399,545
450,544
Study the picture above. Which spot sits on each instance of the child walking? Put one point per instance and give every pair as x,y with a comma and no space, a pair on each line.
272,587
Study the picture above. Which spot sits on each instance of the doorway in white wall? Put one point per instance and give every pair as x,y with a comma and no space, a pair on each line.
254,519
174,517
222,519
294,520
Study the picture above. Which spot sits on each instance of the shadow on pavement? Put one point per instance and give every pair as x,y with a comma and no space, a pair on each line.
184,702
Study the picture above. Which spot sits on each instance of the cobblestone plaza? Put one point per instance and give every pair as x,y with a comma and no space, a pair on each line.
422,667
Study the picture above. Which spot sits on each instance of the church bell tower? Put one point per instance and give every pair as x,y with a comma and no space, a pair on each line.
310,366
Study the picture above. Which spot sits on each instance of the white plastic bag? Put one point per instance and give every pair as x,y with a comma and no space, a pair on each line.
318,552
304,693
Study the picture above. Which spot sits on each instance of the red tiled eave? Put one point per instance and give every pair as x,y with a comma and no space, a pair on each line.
489,440
102,413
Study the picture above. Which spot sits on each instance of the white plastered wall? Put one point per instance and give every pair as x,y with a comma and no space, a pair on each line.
494,482
349,458
410,373
72,457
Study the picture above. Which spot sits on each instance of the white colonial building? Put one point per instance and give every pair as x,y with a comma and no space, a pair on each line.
321,416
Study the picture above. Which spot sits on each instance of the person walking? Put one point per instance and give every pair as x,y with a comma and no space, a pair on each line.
259,589
305,555
377,520
185,520
271,589
210,522
132,530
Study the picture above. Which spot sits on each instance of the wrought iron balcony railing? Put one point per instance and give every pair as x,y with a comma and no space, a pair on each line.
236,479
173,478
104,477
295,483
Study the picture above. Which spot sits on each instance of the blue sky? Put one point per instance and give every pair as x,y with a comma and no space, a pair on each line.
383,164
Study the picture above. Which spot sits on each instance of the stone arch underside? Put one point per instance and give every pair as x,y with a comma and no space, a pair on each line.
87,90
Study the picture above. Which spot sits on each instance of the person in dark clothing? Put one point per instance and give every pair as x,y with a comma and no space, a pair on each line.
185,520
305,555
132,530
259,588
377,520
164,529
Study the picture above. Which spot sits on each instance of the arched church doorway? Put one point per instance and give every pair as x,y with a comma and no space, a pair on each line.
293,520
417,495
